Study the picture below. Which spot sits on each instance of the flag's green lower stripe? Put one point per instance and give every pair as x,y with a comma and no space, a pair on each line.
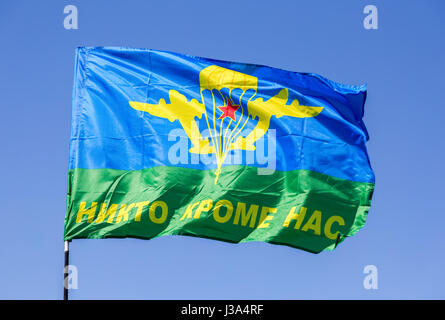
300,208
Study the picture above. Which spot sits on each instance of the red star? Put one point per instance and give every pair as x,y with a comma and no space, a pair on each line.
228,111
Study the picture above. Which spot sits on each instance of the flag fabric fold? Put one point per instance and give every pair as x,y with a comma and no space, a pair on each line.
170,144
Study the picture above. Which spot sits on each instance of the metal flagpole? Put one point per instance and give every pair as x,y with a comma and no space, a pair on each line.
65,271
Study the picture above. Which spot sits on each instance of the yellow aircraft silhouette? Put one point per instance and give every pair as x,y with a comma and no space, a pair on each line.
179,109
215,77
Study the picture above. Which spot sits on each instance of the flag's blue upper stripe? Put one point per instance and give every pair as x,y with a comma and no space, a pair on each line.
107,133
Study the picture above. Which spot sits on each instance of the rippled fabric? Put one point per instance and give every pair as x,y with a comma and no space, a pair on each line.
160,145
108,133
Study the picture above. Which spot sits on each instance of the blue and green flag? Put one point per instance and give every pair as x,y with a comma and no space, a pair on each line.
170,144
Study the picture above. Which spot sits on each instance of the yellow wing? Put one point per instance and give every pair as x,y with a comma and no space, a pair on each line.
178,109
275,106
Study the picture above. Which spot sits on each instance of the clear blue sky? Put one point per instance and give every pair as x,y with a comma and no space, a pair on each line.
402,62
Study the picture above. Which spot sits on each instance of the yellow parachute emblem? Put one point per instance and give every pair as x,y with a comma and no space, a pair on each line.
217,78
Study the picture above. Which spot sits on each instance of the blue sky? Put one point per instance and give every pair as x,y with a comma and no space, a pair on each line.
402,63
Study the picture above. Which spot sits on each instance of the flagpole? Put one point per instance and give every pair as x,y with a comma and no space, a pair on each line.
65,271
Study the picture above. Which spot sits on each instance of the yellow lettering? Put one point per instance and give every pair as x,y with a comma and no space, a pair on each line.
83,211
328,226
140,206
123,212
188,211
314,223
266,217
228,214
251,214
104,213
204,206
164,210
295,216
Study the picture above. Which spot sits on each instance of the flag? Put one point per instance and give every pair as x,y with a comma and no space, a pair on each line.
171,144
